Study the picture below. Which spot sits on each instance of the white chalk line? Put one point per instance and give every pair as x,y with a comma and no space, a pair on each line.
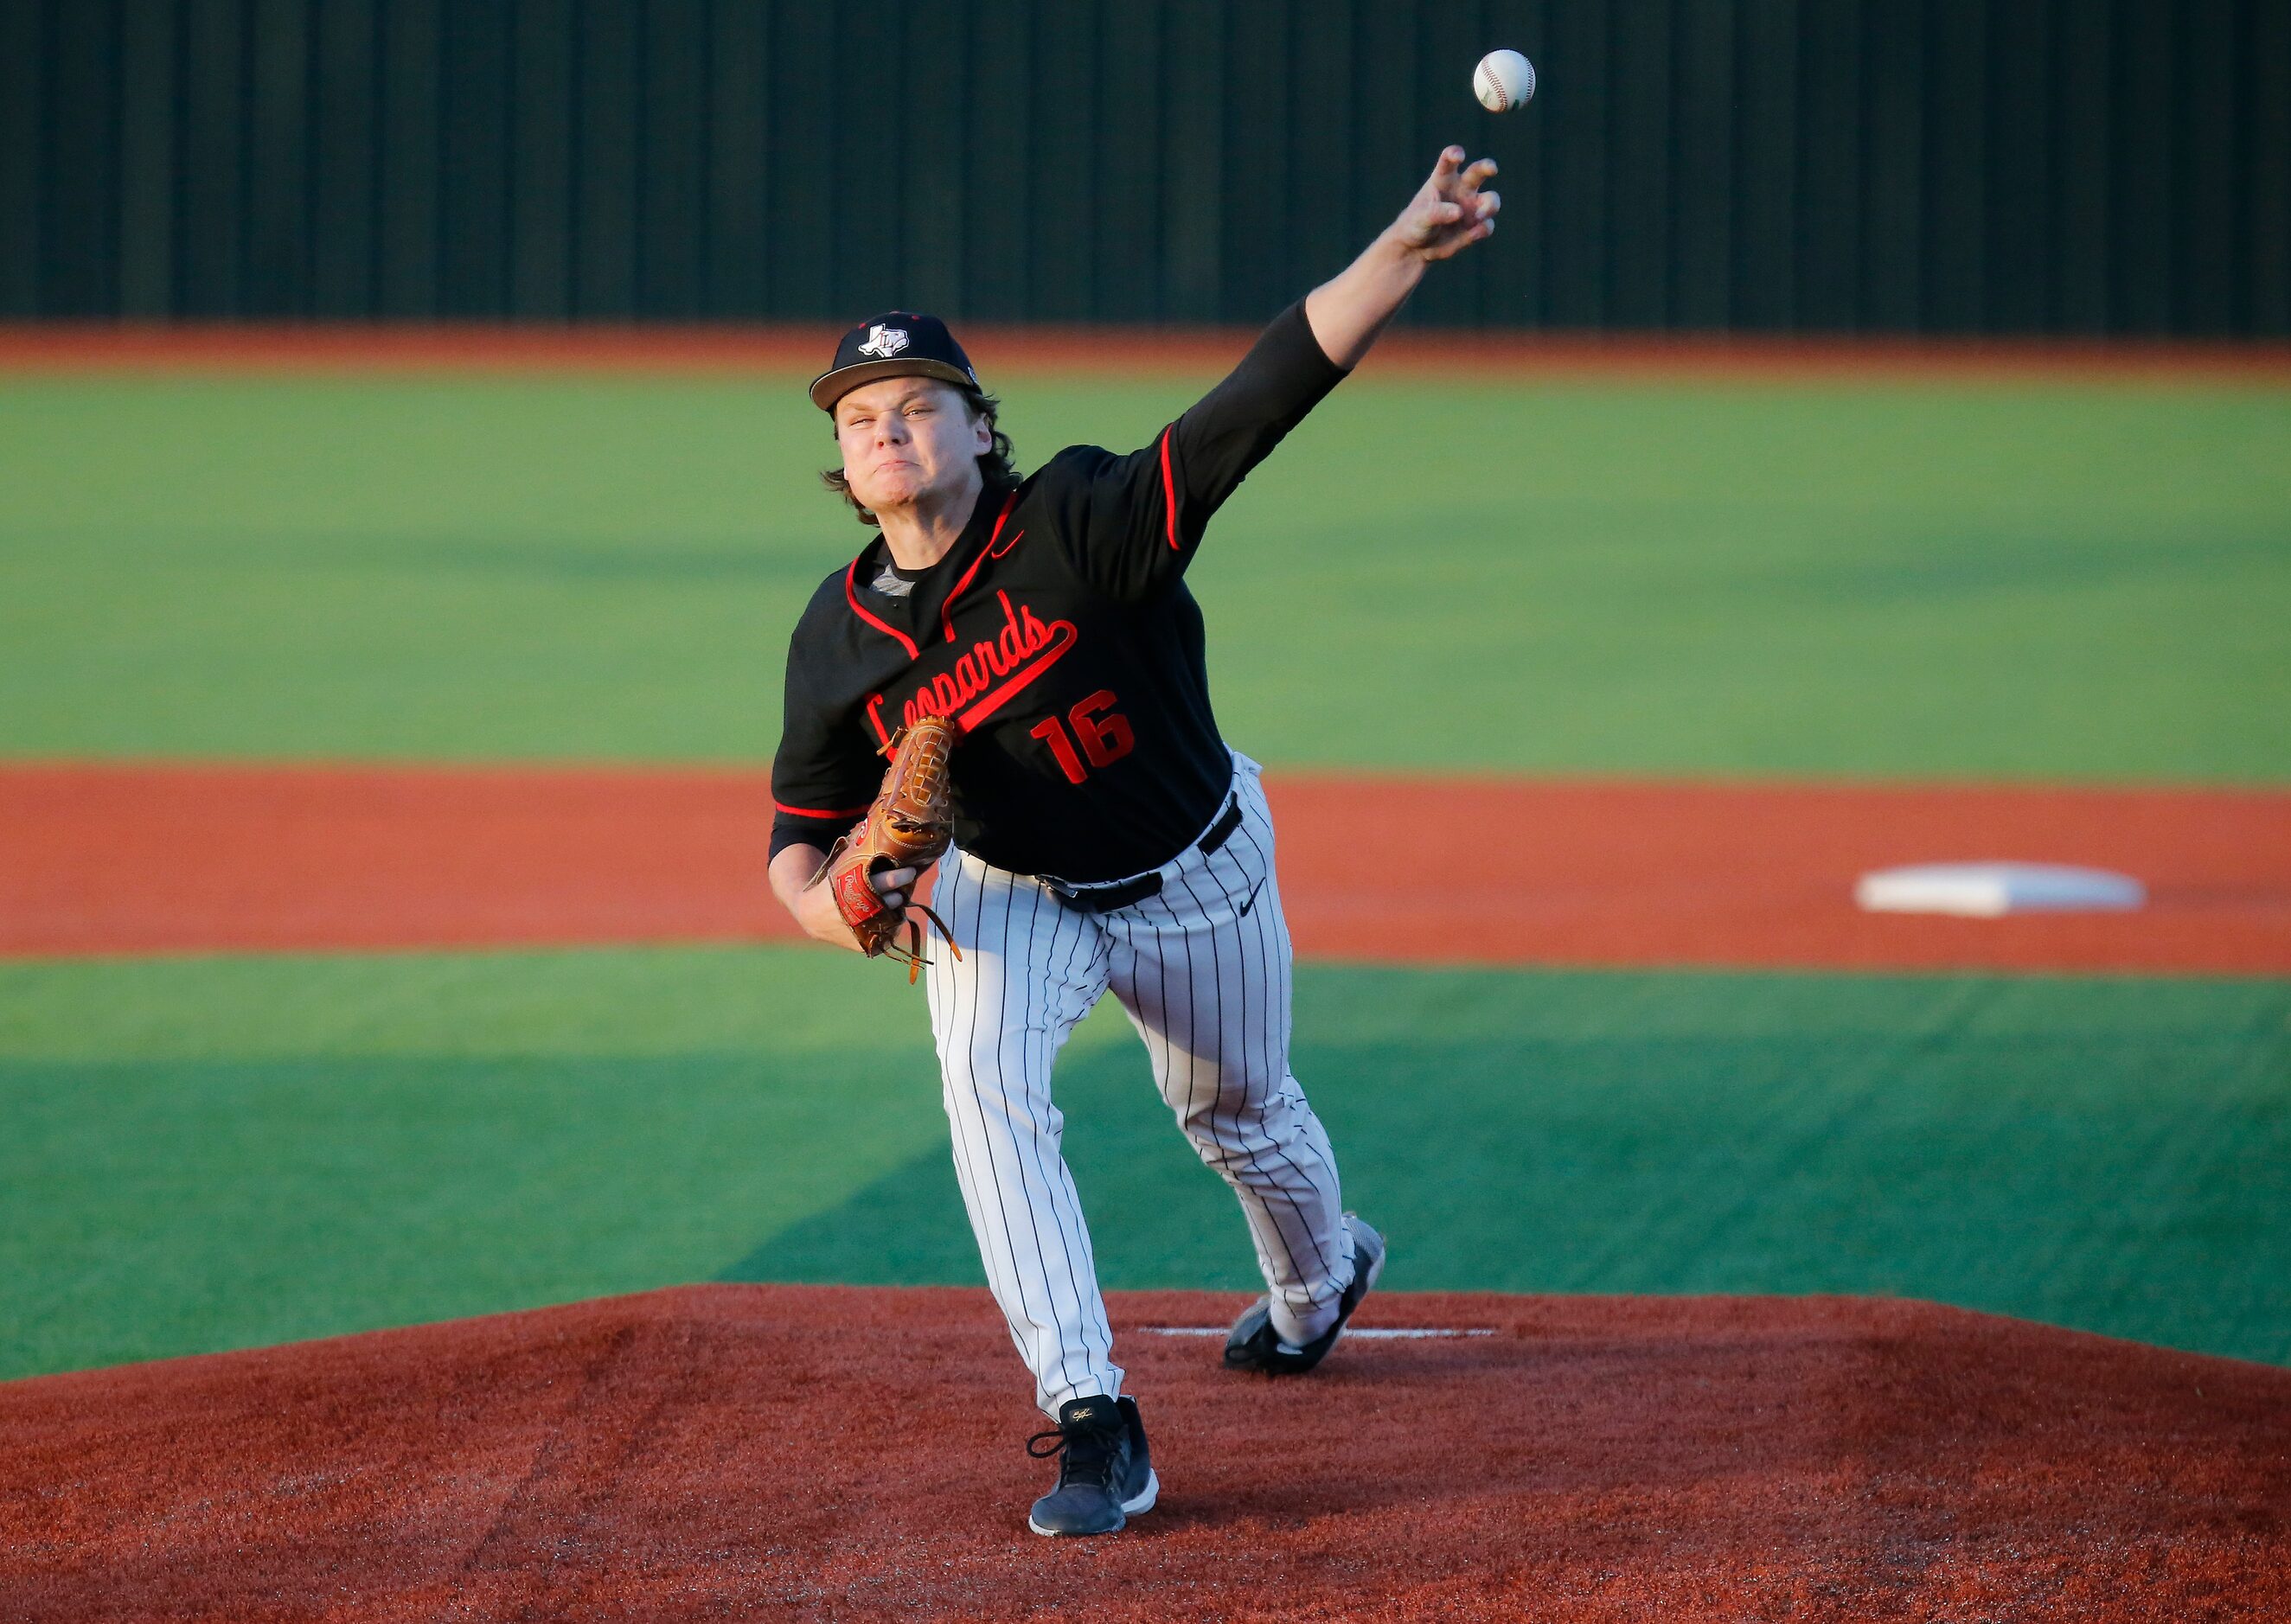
1381,1333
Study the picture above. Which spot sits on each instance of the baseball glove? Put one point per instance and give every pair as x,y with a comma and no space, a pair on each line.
910,825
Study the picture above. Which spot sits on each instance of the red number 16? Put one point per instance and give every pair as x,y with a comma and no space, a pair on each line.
1105,734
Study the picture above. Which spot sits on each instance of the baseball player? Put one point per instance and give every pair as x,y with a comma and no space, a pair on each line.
1106,837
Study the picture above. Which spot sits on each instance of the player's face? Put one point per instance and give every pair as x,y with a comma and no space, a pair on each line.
906,440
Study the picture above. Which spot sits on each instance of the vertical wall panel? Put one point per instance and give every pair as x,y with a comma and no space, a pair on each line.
1129,222
343,194
1316,221
869,134
1254,199
2017,168
541,95
739,147
473,171
80,276
212,183
2140,153
2263,162
1766,165
1943,165
1829,211
2080,176
809,159
1639,215
1892,141
24,58
147,93
406,164
673,167
1952,228
996,283
2202,175
606,135
277,171
934,177
1702,167
1062,155
1194,161
1575,104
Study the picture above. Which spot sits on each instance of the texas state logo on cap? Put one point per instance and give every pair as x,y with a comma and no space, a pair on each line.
896,345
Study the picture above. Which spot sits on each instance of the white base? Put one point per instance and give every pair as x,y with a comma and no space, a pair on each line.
1988,890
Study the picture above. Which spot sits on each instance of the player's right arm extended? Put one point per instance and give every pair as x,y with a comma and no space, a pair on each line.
1448,213
1132,523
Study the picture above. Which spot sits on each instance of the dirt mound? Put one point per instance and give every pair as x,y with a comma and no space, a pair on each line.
830,1452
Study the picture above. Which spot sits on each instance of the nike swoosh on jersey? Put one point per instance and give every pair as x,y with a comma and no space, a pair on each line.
1250,901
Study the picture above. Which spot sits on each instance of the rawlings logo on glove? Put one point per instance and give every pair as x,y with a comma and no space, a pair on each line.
910,825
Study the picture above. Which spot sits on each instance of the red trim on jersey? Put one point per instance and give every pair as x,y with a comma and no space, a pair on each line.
851,597
781,806
946,610
1169,491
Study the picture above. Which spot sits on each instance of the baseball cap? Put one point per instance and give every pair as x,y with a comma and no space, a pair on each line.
896,345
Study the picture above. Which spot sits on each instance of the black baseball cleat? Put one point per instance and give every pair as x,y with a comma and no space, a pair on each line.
1106,1472
1253,1344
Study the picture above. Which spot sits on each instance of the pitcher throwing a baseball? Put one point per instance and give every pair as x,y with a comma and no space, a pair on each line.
1104,835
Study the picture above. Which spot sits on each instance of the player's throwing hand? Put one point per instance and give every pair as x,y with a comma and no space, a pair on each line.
1450,211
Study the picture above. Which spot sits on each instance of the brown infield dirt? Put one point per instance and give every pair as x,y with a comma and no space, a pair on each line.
104,859
827,1453
732,347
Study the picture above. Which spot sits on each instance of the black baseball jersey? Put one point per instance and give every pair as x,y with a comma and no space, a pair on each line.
1059,634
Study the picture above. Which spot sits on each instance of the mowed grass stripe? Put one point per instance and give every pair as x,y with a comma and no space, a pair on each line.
198,1154
205,1154
1903,578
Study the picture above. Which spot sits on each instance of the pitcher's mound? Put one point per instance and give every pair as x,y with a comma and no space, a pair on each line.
741,1451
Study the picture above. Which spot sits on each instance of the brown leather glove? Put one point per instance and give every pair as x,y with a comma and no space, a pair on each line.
910,825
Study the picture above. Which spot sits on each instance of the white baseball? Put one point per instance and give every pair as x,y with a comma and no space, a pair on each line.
1503,80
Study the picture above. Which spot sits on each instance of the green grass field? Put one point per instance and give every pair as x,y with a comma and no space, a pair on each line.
2001,580
2086,581
233,1151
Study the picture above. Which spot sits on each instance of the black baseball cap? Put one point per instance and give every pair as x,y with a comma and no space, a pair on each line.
896,345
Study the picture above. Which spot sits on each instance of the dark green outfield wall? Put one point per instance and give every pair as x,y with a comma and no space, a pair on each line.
1945,165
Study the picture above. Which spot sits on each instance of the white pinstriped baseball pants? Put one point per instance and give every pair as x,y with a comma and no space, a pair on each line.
1202,969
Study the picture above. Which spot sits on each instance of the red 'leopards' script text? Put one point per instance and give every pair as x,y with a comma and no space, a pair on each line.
985,678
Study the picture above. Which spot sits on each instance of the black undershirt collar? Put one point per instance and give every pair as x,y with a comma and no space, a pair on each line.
890,580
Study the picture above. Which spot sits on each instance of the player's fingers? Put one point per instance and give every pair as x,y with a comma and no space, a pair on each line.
1490,201
1444,171
1448,213
1481,172
894,879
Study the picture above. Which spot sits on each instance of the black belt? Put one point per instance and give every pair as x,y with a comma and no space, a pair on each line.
1106,898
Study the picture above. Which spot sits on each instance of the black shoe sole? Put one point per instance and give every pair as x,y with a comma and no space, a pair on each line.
1261,1351
1138,1507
